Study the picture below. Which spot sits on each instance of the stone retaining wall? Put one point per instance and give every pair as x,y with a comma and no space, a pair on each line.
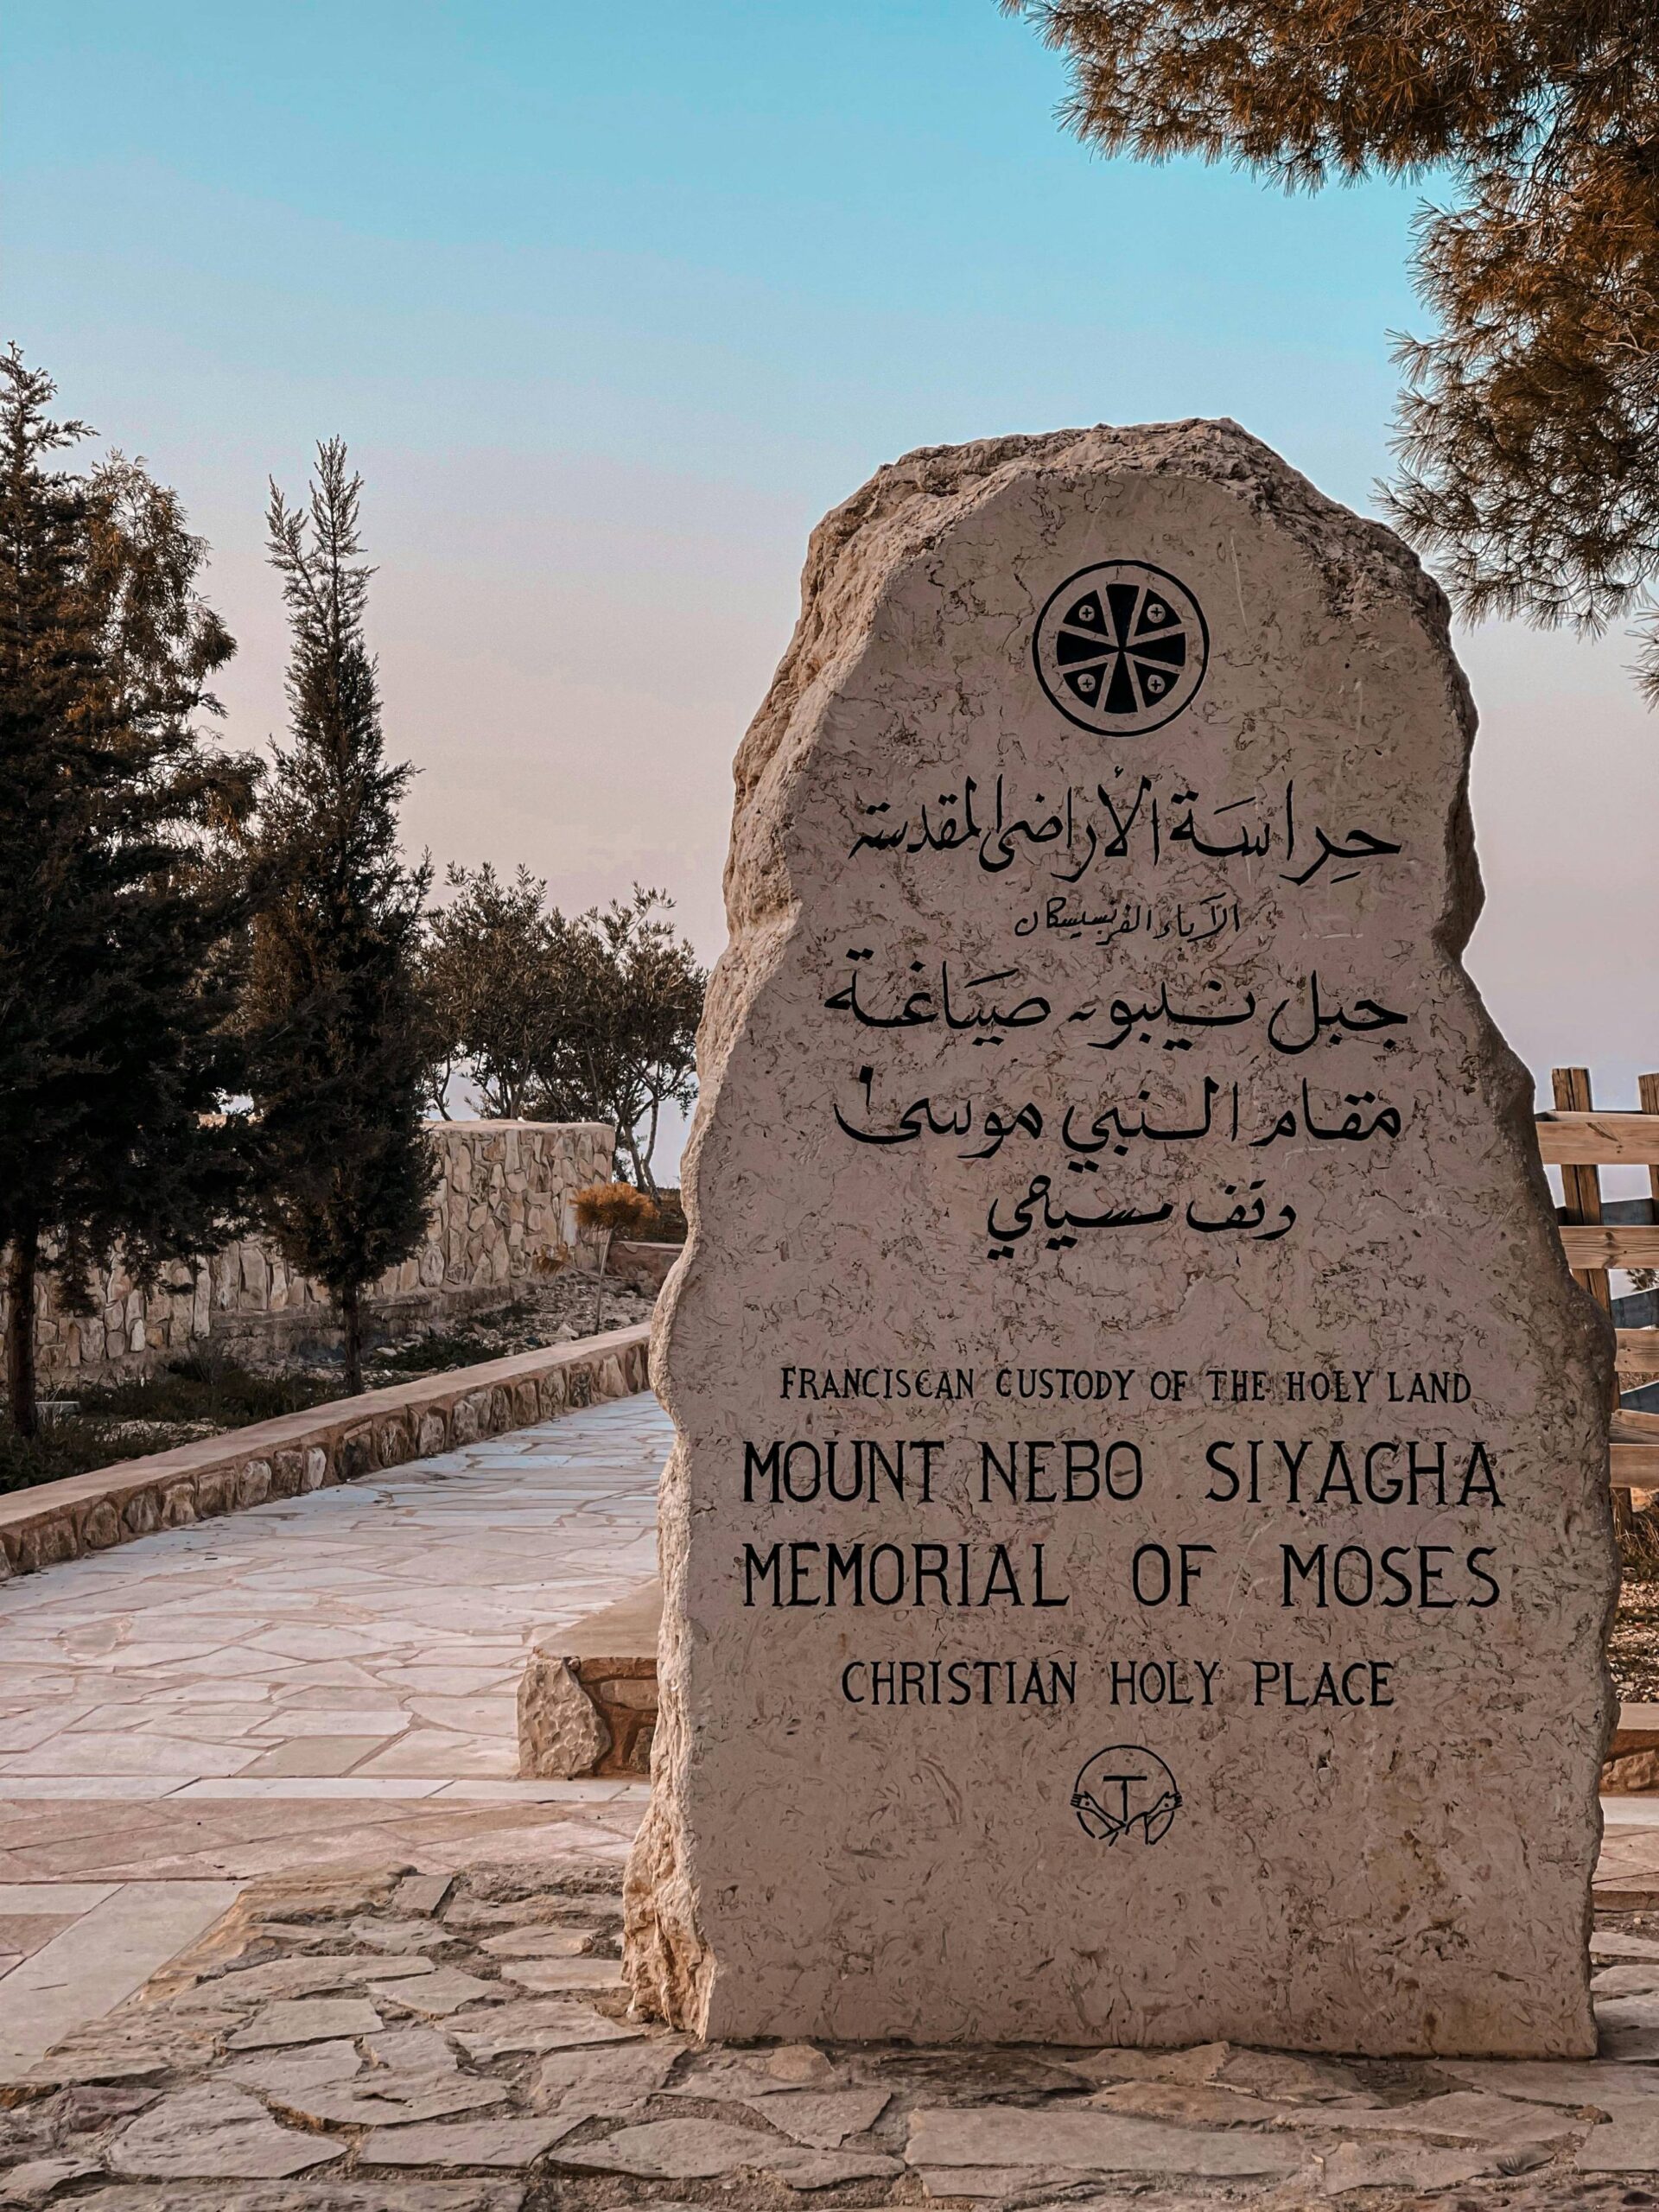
332,1443
501,1215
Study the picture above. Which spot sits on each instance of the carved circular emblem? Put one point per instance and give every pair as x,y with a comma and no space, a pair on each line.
1125,1793
1121,648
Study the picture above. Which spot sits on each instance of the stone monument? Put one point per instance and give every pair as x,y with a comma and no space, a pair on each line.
1138,1547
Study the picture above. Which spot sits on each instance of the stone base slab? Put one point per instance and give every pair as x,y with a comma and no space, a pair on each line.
588,1699
332,1443
1632,1767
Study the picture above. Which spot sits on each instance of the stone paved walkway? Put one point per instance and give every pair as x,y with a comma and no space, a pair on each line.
327,1679
258,1749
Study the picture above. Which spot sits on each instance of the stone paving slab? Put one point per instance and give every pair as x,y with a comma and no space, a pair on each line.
99,1955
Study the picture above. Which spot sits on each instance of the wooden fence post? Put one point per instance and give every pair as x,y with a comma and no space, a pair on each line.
1647,1089
1581,1186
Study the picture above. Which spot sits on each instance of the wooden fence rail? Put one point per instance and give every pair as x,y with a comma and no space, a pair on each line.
1581,1142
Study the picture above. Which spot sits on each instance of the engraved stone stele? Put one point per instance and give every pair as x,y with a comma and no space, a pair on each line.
1138,1550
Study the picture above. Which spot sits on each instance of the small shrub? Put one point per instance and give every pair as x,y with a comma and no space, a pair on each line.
605,1211
612,1210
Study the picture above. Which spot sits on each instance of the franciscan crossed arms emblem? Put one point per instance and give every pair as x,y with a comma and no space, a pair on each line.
1125,1792
1121,648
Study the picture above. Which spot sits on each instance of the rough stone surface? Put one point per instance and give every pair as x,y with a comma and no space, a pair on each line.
384,2100
1090,2142
535,2023
800,2066
1296,2081
306,2019
1615,1943
559,1730
608,2080
285,2074
470,2143
1464,2116
588,1696
311,1977
692,2149
825,2118
1202,2062
36,2179
1546,2081
1634,1979
1626,2142
548,1975
315,2193
537,1944
421,1893
434,1996
1056,1043
1400,2166
1188,2102
215,2132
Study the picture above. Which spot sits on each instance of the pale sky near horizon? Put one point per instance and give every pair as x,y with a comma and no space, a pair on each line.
611,305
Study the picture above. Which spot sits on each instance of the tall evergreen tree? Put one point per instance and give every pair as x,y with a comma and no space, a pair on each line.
118,923
339,1038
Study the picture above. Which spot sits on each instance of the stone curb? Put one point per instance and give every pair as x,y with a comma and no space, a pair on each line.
326,1444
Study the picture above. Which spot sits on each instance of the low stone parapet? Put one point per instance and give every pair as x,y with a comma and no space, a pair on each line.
332,1443
588,1696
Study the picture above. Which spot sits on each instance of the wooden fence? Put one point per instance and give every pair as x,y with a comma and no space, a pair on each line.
1581,1142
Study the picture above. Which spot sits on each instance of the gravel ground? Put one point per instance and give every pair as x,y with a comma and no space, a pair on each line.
557,1312
1633,1652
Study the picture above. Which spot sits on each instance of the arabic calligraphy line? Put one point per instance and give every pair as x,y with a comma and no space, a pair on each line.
1115,1127
925,1003
1087,825
1039,1213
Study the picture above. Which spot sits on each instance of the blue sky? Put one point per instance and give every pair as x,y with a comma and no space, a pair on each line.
611,304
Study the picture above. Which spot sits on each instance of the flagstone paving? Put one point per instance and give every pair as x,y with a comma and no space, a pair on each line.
362,2041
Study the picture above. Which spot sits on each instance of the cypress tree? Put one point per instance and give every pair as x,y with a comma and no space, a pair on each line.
340,1036
118,921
